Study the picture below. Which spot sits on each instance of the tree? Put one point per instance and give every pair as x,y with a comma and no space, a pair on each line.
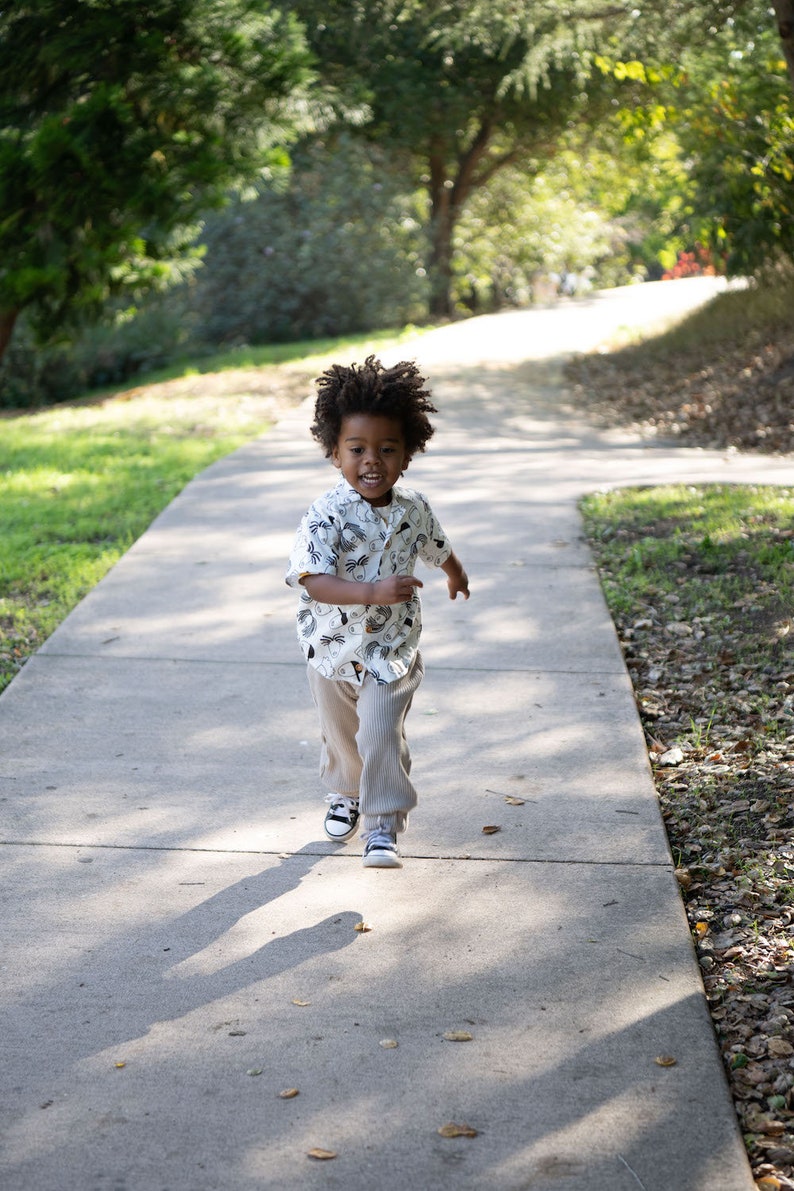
727,101
120,122
736,124
459,90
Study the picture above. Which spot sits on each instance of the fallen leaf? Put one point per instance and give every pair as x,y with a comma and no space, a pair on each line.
388,1043
321,1155
453,1130
297,1001
665,1061
701,929
768,1183
673,756
458,1036
515,801
362,927
121,1064
491,829
288,1094
254,1071
773,1128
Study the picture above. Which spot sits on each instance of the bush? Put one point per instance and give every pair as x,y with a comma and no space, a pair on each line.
107,353
339,251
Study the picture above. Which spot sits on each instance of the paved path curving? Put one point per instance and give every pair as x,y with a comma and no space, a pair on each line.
179,941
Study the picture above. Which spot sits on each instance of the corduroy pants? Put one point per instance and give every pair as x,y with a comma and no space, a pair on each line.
364,750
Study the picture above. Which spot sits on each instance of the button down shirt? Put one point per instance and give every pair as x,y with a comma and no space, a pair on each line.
343,535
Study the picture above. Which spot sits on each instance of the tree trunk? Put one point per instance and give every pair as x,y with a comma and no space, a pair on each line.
447,200
8,319
441,228
441,225
784,13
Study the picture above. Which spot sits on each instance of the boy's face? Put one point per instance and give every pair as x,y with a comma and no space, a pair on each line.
371,455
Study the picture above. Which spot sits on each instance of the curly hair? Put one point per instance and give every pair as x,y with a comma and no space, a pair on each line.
369,388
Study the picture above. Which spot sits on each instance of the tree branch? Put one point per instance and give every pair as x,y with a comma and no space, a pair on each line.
494,165
468,163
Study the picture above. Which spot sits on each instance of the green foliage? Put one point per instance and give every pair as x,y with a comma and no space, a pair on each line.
738,131
120,124
725,101
456,92
135,341
570,215
339,250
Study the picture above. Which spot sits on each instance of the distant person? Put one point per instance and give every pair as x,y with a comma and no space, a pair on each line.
359,617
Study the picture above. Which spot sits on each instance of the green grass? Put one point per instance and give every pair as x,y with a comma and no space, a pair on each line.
80,482
714,547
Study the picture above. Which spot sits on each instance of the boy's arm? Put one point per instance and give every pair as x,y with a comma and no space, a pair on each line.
331,589
457,579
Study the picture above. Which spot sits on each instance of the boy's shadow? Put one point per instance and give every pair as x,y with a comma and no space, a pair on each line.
159,993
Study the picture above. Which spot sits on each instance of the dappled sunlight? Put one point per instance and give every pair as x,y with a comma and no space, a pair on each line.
242,967
182,944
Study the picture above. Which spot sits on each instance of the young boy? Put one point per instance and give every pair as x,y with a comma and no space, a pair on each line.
359,617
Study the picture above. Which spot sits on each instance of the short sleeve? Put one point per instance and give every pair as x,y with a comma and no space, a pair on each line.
434,547
315,549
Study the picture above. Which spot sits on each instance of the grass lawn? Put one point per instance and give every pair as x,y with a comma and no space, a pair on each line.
80,482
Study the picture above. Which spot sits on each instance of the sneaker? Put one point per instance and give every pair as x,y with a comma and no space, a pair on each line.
380,850
341,820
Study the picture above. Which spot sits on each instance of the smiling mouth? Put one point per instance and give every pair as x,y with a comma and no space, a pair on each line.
371,479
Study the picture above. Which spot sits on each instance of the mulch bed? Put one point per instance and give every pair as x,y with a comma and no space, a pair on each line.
726,787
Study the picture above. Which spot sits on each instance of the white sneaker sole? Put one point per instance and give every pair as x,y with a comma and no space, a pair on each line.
382,858
341,839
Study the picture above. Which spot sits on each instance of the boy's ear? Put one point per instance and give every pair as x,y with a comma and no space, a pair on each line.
335,457
406,461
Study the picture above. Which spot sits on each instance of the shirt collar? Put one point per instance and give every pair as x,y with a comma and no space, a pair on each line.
347,495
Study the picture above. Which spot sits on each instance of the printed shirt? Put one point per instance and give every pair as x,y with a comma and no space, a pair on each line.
343,535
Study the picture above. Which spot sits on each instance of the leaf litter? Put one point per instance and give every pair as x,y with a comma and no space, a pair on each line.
720,698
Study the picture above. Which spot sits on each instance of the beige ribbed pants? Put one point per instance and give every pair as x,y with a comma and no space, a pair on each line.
364,751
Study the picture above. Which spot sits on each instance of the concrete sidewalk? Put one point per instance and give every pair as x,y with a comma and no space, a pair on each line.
179,939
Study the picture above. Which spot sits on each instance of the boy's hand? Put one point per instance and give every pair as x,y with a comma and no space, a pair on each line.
397,589
457,579
458,583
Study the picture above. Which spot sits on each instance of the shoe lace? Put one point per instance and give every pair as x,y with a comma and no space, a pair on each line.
380,839
342,802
